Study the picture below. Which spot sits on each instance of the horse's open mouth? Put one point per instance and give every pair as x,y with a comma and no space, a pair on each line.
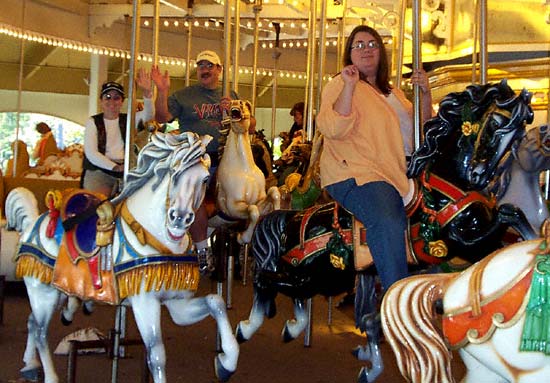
176,237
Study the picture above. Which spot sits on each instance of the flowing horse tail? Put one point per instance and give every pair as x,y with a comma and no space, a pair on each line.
408,323
21,209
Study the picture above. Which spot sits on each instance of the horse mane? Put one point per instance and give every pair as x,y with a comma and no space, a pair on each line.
267,240
164,152
450,117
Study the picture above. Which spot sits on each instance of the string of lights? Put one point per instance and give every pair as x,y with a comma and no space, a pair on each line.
65,43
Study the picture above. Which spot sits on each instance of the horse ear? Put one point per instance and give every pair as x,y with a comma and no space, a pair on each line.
526,95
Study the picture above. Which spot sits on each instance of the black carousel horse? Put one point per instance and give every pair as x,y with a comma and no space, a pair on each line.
304,253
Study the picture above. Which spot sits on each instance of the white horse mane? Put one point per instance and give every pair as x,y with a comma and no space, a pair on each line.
165,151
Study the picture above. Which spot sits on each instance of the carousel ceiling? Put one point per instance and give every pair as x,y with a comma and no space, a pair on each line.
53,43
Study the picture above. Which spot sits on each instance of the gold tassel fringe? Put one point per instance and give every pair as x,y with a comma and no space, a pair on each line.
29,266
167,276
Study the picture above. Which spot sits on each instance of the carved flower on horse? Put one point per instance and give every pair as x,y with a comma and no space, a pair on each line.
429,226
469,128
438,248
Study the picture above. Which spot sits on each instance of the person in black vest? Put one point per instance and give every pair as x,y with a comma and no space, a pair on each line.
105,133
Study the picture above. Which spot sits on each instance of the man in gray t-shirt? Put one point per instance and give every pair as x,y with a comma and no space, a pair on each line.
198,109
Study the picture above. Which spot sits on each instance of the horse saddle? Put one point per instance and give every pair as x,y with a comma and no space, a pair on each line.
310,233
77,270
79,217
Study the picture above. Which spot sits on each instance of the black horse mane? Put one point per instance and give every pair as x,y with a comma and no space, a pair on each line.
268,238
450,117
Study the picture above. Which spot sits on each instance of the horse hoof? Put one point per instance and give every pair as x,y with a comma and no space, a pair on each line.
363,376
239,335
287,337
65,321
222,373
33,374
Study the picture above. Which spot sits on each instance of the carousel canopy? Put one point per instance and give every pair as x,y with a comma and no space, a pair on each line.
52,43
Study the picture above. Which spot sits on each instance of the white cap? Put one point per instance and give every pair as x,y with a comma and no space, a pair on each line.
209,56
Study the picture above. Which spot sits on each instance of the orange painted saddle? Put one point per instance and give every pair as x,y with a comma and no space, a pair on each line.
78,270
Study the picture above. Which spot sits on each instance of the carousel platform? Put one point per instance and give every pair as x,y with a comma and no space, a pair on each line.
191,350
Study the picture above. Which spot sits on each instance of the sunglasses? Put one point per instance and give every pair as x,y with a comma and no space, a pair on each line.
115,97
360,45
205,65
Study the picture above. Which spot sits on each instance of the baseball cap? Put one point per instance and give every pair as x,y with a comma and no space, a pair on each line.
111,85
209,56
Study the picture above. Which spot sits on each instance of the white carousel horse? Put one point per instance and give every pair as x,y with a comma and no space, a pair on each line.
522,187
496,313
240,190
141,253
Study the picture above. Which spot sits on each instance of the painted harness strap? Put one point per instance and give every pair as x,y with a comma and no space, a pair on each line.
299,253
464,327
459,199
144,237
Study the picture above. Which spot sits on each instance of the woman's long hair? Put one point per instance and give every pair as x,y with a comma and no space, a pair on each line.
383,73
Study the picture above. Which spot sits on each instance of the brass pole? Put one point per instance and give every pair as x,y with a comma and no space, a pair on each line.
417,62
129,157
227,53
257,9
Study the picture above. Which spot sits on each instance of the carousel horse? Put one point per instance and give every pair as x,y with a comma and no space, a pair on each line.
496,314
304,253
131,250
520,184
294,159
302,191
240,188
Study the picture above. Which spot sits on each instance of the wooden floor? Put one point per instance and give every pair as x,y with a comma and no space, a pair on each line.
191,350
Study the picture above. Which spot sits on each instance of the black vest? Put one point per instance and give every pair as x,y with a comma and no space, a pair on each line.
102,143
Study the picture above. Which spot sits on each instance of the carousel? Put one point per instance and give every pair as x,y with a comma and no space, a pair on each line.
476,304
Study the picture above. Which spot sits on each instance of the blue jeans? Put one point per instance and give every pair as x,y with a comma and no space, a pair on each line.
380,208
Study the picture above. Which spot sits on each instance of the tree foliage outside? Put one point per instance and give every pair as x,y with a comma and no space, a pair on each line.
65,132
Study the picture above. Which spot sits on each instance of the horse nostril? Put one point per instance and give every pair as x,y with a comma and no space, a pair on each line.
171,215
190,218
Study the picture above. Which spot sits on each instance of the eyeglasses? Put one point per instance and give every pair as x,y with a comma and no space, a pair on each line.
205,65
360,45
115,97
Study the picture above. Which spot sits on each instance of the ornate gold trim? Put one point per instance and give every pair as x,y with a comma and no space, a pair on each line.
29,266
167,276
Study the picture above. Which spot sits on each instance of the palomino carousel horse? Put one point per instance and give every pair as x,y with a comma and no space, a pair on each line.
137,258
304,253
240,190
496,314
520,184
